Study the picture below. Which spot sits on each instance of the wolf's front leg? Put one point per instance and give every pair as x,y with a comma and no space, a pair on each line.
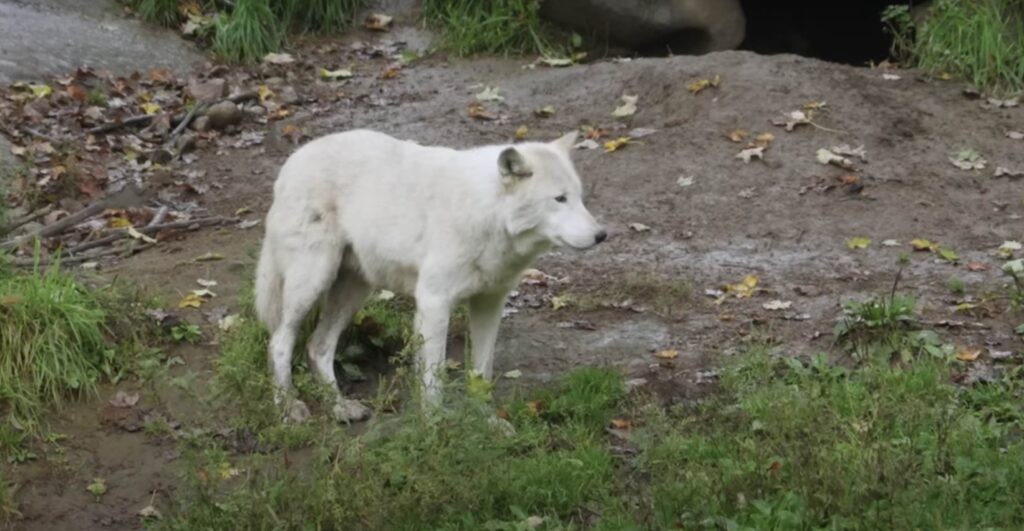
431,323
484,320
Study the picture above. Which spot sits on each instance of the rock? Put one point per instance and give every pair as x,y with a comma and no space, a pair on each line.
223,115
273,83
201,124
185,143
160,156
288,96
209,90
684,26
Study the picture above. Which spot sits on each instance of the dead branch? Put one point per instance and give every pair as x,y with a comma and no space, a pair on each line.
123,199
181,118
28,218
31,261
118,234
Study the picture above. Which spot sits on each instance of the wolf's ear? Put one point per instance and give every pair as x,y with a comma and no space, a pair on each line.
566,142
512,165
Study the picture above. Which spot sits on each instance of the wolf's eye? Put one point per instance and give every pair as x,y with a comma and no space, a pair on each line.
561,198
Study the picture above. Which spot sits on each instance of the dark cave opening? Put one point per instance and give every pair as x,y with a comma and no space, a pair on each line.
839,31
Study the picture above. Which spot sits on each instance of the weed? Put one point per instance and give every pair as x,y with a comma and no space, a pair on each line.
250,32
498,27
317,15
8,503
160,12
981,41
187,333
956,286
1014,269
96,97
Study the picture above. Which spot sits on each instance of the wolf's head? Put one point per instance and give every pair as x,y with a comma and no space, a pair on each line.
545,194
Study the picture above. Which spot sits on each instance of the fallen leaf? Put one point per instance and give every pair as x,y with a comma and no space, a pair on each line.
150,512
535,406
521,132
1015,135
978,266
377,21
825,156
858,243
119,222
745,288
684,181
890,77
699,85
1003,104
587,143
227,322
948,255
849,180
666,354
737,135
1002,171
641,132
891,243
920,244
545,111
812,106
191,301
639,227
265,93
616,144
775,305
968,159
792,119
514,374
621,424
848,151
124,400
41,91
98,487
208,257
764,139
478,111
342,73
278,59
750,153
150,108
556,61
206,283
628,107
1008,247
559,301
968,354
747,193
490,94
391,72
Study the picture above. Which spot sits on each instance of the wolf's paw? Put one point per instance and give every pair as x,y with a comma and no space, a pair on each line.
350,411
296,412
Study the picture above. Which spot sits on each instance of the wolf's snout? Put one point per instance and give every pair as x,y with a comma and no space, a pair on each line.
601,236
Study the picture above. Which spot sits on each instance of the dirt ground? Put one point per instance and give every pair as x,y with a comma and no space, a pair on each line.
711,220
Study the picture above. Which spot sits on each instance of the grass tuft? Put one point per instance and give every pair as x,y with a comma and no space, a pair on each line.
248,33
160,12
318,15
493,27
981,41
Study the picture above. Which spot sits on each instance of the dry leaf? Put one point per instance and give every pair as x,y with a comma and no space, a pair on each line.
535,406
377,21
521,132
684,181
890,77
1002,171
891,243
1009,247
737,135
848,151
792,119
191,301
1015,135
921,244
514,374
764,139
545,111
391,72
858,243
628,107
490,94
40,91
825,156
639,227
616,144
278,59
140,236
341,73
124,400
968,354
978,266
478,111
699,85
587,143
621,424
775,305
667,354
968,159
150,108
749,153
745,288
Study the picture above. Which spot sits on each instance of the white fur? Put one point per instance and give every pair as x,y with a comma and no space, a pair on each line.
361,210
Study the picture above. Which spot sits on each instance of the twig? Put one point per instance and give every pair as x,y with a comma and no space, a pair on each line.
28,218
158,218
146,118
31,261
149,229
122,199
186,120
44,136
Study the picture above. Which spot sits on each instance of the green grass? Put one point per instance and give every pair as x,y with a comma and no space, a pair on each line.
248,33
470,27
981,41
56,340
318,15
160,12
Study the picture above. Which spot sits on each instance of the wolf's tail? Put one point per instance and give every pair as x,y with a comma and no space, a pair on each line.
269,285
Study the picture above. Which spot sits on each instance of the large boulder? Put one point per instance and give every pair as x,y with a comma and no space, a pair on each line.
679,26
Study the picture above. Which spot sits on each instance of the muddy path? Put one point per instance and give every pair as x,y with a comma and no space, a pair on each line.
686,217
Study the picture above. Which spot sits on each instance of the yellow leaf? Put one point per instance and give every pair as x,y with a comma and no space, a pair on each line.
150,108
697,86
763,139
745,288
265,93
119,223
41,91
948,255
920,244
666,354
535,406
814,105
341,73
858,243
191,301
968,354
737,136
522,132
615,145
559,301
621,424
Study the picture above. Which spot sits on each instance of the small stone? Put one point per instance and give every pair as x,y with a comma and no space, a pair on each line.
207,91
224,114
201,124
288,96
185,143
635,383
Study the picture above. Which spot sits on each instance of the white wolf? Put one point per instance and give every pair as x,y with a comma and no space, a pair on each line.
360,210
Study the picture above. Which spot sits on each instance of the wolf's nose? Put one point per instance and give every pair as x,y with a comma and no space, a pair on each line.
601,236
